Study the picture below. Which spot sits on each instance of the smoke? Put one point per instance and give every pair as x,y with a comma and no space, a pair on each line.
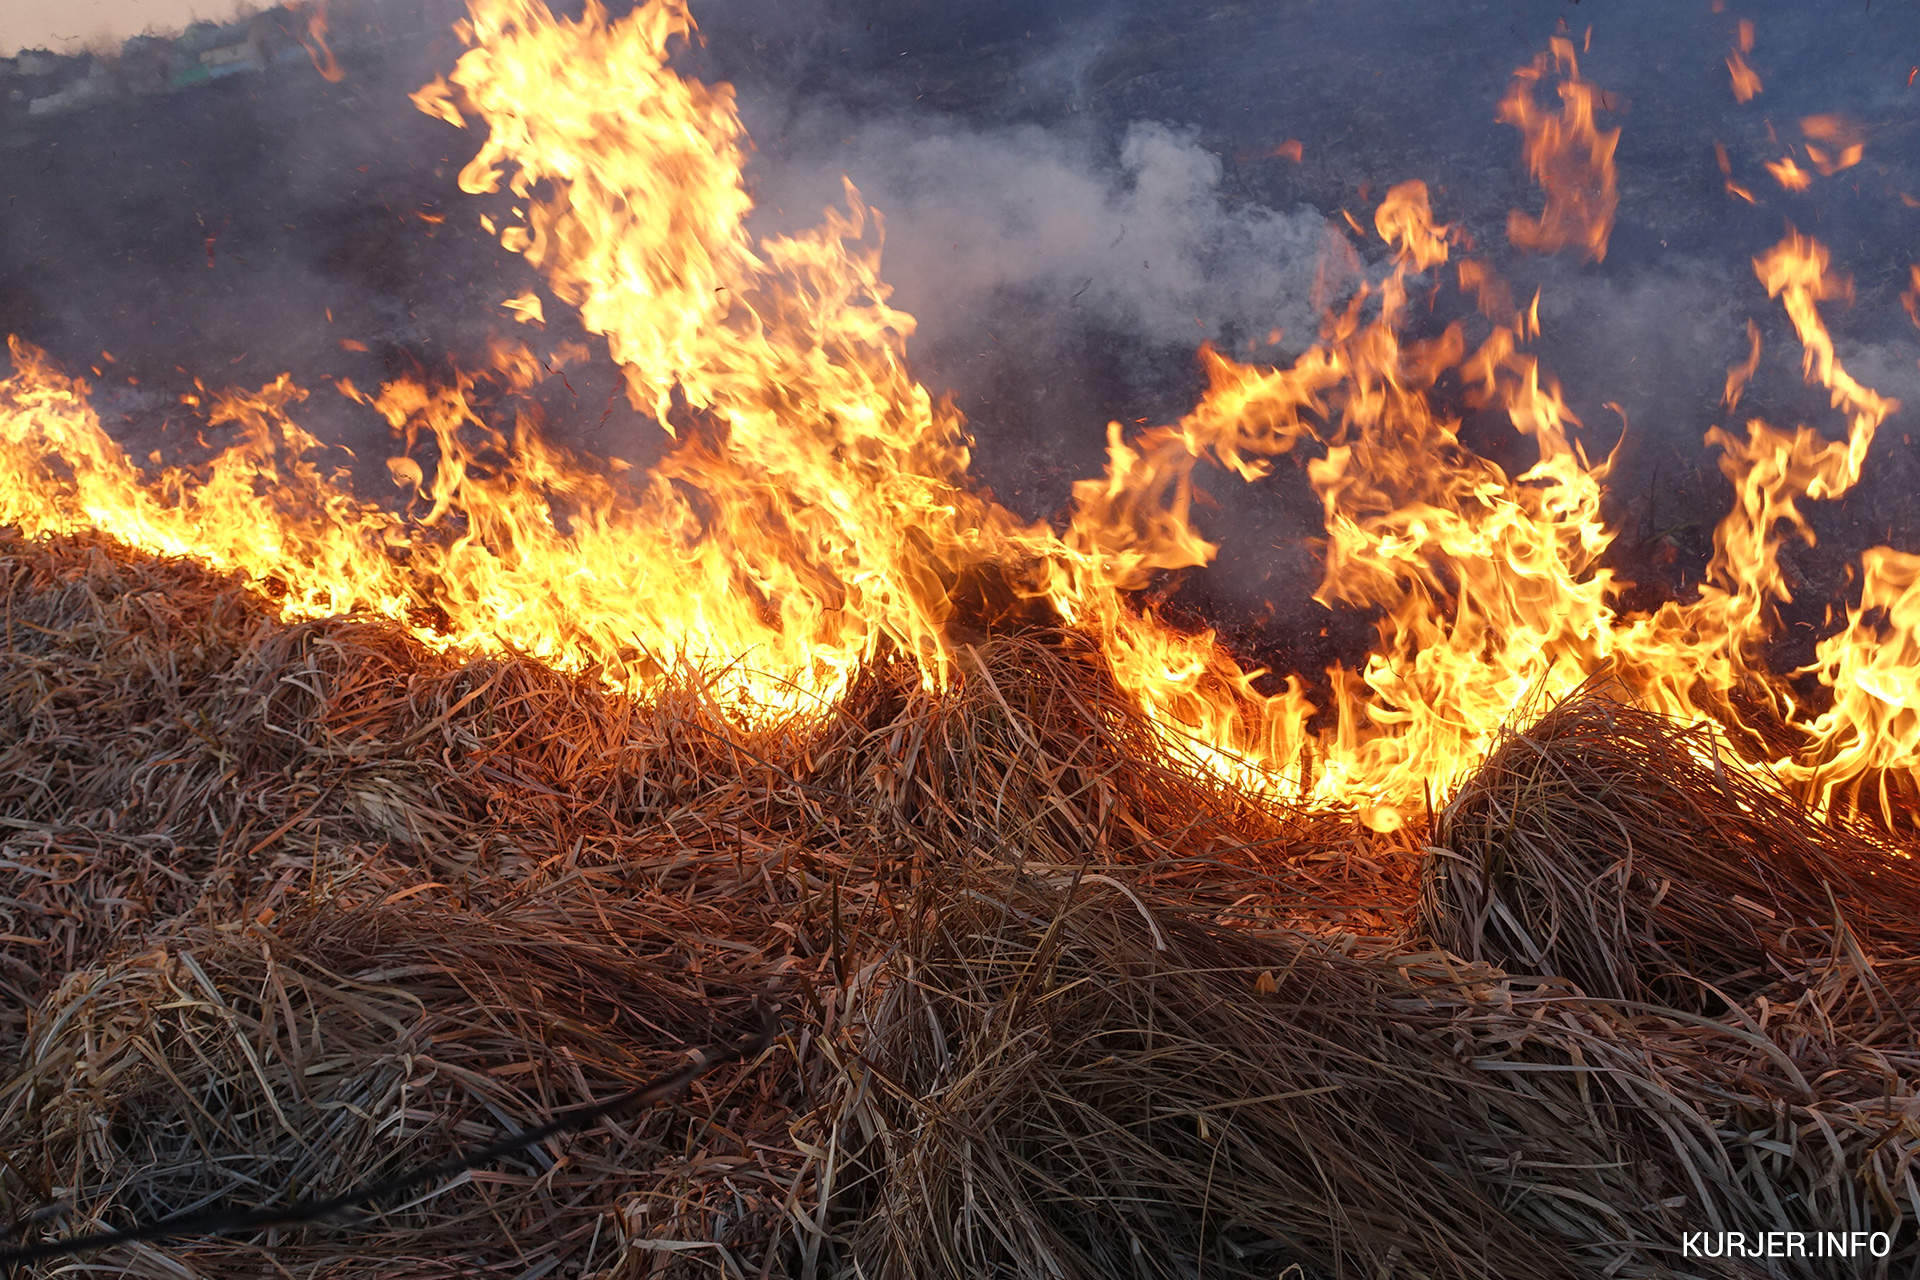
1075,196
1655,343
1145,245
1889,368
1060,276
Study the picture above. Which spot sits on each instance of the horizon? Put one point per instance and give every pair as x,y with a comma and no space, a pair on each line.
76,26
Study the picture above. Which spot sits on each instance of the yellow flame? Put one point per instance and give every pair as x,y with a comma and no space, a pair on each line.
814,510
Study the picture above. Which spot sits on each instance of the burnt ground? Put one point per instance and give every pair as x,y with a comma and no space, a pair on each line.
255,225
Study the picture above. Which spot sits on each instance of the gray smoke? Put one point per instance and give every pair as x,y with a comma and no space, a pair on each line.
1142,242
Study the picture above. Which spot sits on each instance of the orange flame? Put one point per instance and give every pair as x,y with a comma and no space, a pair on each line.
1746,83
527,308
1788,174
1726,173
1844,143
814,510
1739,374
313,37
1567,154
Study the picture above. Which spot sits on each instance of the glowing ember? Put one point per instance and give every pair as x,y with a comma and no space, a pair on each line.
1788,174
815,511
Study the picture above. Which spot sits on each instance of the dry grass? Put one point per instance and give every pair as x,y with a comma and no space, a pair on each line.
246,1065
1630,855
562,892
1080,1084
1086,1081
293,907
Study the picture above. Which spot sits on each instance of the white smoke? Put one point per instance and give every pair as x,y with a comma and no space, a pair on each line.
1144,244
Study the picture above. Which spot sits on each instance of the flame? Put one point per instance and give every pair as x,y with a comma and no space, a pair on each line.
1726,173
1746,83
1788,174
814,510
1843,143
1871,734
527,308
1567,154
1738,375
313,37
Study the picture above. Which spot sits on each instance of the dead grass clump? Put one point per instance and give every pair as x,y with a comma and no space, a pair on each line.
1059,1003
1033,756
157,752
171,755
101,673
1095,1081
1032,750
1627,853
67,894
253,1066
1107,1087
540,763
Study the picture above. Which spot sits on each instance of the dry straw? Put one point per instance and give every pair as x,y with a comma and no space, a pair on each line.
1642,859
291,907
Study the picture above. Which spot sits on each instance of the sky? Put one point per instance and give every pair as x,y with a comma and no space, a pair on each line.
67,26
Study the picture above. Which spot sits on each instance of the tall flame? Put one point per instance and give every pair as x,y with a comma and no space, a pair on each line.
815,511
1568,154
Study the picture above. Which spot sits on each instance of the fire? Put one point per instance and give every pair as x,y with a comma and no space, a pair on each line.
815,513
1746,83
1740,374
1726,172
1835,143
314,38
1789,174
1568,154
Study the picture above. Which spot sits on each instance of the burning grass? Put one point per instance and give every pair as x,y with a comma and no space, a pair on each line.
292,907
